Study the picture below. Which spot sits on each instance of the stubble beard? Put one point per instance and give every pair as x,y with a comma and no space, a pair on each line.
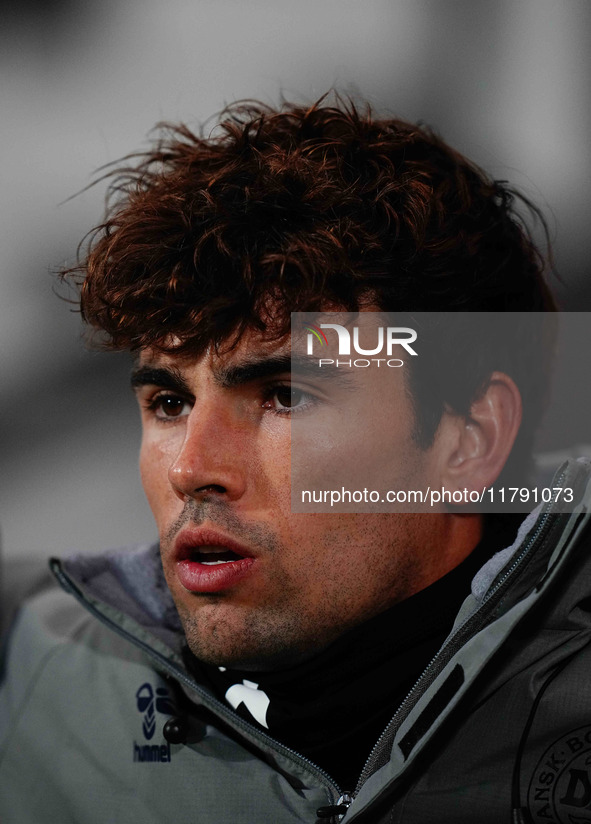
221,632
256,640
281,627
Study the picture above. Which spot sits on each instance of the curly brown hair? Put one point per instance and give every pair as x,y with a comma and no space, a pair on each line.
308,209
297,209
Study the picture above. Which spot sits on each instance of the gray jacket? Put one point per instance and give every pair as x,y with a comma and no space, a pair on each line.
497,729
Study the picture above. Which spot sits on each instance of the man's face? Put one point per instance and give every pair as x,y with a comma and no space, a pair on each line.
256,585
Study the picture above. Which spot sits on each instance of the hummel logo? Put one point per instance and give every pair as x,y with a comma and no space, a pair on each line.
149,702
146,704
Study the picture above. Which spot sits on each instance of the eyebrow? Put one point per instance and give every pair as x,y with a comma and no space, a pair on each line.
228,377
167,377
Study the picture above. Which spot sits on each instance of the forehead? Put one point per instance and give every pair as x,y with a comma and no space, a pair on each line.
257,342
251,345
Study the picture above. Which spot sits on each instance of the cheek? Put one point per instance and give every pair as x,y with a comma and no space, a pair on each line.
156,458
364,563
268,474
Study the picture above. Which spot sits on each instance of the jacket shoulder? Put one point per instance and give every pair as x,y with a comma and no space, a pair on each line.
52,634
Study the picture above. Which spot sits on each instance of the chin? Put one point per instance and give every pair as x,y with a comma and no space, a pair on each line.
250,650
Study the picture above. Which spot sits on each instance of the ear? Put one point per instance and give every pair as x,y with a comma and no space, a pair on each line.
476,447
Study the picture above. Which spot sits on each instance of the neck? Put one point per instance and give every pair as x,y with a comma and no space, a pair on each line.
451,537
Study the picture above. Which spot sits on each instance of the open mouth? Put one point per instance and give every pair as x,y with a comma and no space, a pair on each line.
208,562
211,556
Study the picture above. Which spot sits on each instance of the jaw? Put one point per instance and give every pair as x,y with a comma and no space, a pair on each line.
222,634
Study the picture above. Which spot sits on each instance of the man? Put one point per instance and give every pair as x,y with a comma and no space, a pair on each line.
270,665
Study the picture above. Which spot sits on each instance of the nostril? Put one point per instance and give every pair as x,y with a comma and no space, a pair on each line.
217,488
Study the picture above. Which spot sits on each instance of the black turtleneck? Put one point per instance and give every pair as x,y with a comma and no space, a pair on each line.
333,707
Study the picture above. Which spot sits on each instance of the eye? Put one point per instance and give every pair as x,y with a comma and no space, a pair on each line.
285,400
166,406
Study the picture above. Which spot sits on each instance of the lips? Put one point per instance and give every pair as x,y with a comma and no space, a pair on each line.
208,561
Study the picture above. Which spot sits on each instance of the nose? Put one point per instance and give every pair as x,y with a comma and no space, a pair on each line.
213,457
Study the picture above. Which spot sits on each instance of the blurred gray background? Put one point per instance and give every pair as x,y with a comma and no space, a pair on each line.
82,83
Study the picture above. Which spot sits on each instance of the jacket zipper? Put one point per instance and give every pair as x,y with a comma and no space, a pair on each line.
455,642
336,812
